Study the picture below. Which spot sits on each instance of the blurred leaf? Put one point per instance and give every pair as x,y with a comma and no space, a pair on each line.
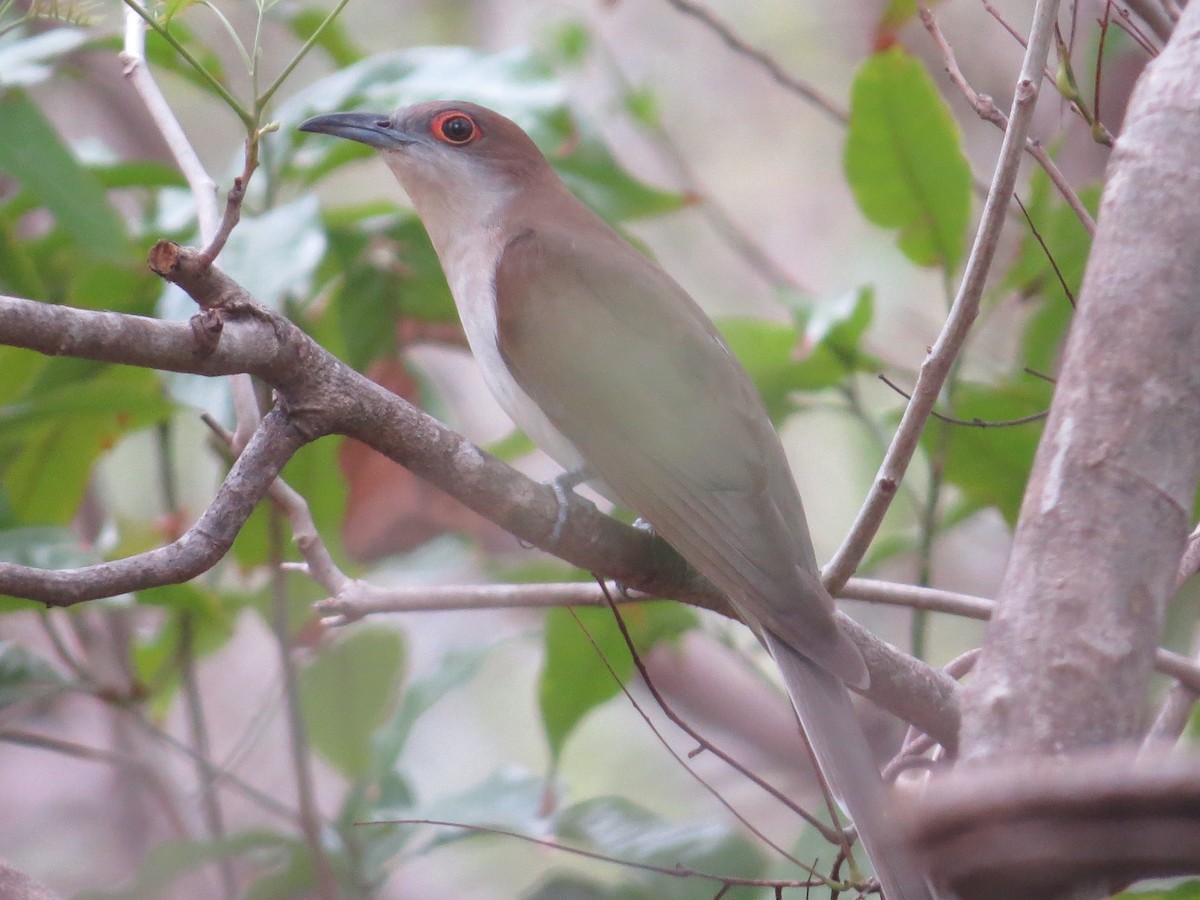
455,669
168,860
508,798
570,43
512,446
156,659
896,14
991,465
25,676
335,40
52,437
45,547
904,162
162,56
274,255
614,826
517,83
383,269
347,691
27,59
141,173
574,678
781,361
1188,890
575,887
33,154
642,104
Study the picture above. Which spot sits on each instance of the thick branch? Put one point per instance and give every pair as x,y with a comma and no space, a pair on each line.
199,549
1106,515
1030,829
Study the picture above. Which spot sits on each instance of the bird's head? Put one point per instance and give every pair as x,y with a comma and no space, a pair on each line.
453,158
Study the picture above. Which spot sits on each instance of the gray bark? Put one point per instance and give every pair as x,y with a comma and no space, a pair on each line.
1069,653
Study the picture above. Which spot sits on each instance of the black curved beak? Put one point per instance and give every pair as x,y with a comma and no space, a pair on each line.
373,129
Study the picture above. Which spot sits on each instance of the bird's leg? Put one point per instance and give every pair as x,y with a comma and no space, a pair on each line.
563,485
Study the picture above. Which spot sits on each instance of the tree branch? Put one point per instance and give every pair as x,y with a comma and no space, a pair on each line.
936,366
1069,654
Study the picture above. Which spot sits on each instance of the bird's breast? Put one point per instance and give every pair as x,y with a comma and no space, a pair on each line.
470,270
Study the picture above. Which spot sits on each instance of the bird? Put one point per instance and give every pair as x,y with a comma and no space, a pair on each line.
612,369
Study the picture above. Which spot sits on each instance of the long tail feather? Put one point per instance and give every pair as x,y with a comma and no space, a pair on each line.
831,726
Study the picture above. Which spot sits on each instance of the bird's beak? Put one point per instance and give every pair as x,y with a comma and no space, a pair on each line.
373,129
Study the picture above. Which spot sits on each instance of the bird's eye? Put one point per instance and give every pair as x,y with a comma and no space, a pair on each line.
455,128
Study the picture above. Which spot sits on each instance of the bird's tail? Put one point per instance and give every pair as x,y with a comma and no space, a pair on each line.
837,740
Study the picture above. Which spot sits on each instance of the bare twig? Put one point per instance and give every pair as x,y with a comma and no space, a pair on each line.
774,69
985,107
971,423
832,835
1062,281
210,802
704,745
965,308
676,871
310,815
1154,15
133,57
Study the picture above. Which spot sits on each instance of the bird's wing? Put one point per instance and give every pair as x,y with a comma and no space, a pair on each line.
639,380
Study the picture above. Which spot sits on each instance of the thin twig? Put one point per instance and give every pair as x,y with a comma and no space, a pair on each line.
128,764
938,363
205,774
133,57
829,834
971,423
677,756
1037,235
985,107
676,871
310,816
773,68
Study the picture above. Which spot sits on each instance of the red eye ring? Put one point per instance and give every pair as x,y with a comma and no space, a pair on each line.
455,127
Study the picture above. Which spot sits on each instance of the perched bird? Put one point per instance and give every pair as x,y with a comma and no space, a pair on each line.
611,368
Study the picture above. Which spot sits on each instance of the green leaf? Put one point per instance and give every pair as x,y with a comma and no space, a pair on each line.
382,268
991,465
334,39
904,161
508,798
169,860
53,436
1032,274
574,887
347,691
575,679
156,655
25,676
291,234
34,156
817,352
614,826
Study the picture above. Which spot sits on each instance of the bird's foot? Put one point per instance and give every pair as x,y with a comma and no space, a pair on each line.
562,486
